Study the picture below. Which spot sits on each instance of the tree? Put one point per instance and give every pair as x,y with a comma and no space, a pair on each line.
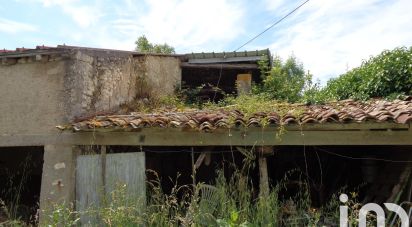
143,45
285,81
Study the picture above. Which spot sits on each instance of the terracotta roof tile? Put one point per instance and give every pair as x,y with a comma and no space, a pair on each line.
404,118
346,111
22,49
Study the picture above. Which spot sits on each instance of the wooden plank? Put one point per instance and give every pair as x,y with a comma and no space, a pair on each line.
263,177
199,160
227,59
403,180
103,154
291,127
244,84
127,169
346,126
219,66
250,137
122,169
88,185
209,55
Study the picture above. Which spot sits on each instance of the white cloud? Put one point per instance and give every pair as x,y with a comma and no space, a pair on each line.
84,15
332,36
329,37
187,25
48,3
275,5
10,26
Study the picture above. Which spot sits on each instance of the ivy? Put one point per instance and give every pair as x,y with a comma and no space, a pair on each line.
387,75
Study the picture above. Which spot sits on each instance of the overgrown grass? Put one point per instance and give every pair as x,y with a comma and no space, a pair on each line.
13,212
252,104
247,104
229,201
233,203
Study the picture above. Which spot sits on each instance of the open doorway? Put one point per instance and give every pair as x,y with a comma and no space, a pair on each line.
20,177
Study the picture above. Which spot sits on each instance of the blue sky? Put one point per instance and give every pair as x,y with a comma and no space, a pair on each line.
328,36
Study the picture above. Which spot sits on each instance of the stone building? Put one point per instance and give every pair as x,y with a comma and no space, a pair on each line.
45,87
82,91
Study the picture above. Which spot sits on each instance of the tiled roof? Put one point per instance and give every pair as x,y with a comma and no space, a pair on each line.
22,49
5,51
347,111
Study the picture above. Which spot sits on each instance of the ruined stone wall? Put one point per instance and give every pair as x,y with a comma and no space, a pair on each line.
99,82
35,96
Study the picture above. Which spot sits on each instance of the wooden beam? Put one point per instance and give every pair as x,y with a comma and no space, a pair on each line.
220,137
399,187
263,177
193,170
329,126
263,152
223,60
218,66
199,160
103,155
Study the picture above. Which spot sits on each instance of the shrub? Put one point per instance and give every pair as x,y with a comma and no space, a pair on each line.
285,81
387,75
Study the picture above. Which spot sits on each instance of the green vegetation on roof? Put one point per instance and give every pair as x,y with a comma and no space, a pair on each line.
287,85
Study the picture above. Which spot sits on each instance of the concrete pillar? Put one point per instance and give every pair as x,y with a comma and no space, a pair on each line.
58,178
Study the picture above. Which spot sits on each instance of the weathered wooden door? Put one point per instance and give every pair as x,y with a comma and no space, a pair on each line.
97,176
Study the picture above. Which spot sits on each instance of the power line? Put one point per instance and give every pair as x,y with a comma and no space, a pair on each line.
273,25
267,29
360,158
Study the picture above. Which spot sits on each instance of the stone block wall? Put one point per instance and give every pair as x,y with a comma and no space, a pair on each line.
100,82
37,95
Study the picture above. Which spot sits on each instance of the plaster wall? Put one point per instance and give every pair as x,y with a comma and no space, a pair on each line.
36,96
163,74
31,97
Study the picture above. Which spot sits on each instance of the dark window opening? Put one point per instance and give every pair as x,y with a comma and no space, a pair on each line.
193,77
20,177
170,162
